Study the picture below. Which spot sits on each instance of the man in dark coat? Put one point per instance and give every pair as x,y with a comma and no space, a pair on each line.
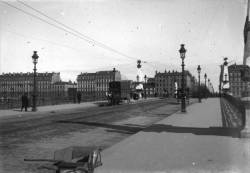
79,97
25,102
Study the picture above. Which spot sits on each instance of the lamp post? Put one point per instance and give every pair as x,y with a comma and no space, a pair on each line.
35,59
114,74
208,86
205,76
12,96
145,78
225,85
226,78
199,87
182,55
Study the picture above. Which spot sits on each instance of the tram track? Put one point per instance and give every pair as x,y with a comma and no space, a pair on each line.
93,114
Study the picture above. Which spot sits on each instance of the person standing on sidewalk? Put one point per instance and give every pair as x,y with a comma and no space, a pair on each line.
25,102
79,97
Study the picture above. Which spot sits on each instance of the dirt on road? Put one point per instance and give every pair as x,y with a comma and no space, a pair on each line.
102,126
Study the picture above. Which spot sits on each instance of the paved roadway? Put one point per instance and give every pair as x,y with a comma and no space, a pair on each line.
191,142
38,136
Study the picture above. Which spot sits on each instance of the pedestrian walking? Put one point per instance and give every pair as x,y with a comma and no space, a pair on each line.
25,102
79,97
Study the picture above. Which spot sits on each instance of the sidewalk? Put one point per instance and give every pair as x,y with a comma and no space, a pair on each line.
62,107
44,109
184,142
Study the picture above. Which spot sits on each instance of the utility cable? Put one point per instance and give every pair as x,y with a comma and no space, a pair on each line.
90,41
70,28
30,14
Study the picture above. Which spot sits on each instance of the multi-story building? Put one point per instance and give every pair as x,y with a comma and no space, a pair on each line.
166,83
13,85
61,89
237,85
149,87
95,85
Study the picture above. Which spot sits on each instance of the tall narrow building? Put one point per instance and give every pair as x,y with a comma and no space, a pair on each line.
246,58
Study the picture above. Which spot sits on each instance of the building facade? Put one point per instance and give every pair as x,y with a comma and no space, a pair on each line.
237,85
61,89
167,83
149,87
94,86
13,85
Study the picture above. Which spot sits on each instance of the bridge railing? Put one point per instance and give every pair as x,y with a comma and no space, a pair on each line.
238,104
16,102
11,103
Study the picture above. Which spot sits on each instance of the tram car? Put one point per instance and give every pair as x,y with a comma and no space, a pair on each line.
119,91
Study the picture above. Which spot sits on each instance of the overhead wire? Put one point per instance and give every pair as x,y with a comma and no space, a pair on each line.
30,14
39,39
78,35
48,41
74,30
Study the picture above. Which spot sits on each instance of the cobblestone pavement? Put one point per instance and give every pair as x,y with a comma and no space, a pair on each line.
40,136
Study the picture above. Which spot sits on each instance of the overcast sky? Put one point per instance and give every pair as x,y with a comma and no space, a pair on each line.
150,30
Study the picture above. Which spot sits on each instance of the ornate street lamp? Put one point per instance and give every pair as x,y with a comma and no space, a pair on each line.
12,96
182,55
145,78
226,78
137,78
114,74
205,76
199,87
35,59
208,86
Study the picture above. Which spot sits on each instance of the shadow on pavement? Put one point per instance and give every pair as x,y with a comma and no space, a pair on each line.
101,104
158,128
216,131
19,110
163,114
128,129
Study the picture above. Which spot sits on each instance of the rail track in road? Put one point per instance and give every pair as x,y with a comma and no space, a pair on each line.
93,113
38,136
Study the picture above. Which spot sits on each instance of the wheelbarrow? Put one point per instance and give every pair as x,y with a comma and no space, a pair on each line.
72,160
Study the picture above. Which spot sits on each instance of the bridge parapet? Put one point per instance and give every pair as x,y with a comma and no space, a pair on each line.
245,133
232,114
243,106
237,106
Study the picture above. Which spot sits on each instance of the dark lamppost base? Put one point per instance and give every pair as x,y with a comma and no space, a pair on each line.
184,111
34,108
199,99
